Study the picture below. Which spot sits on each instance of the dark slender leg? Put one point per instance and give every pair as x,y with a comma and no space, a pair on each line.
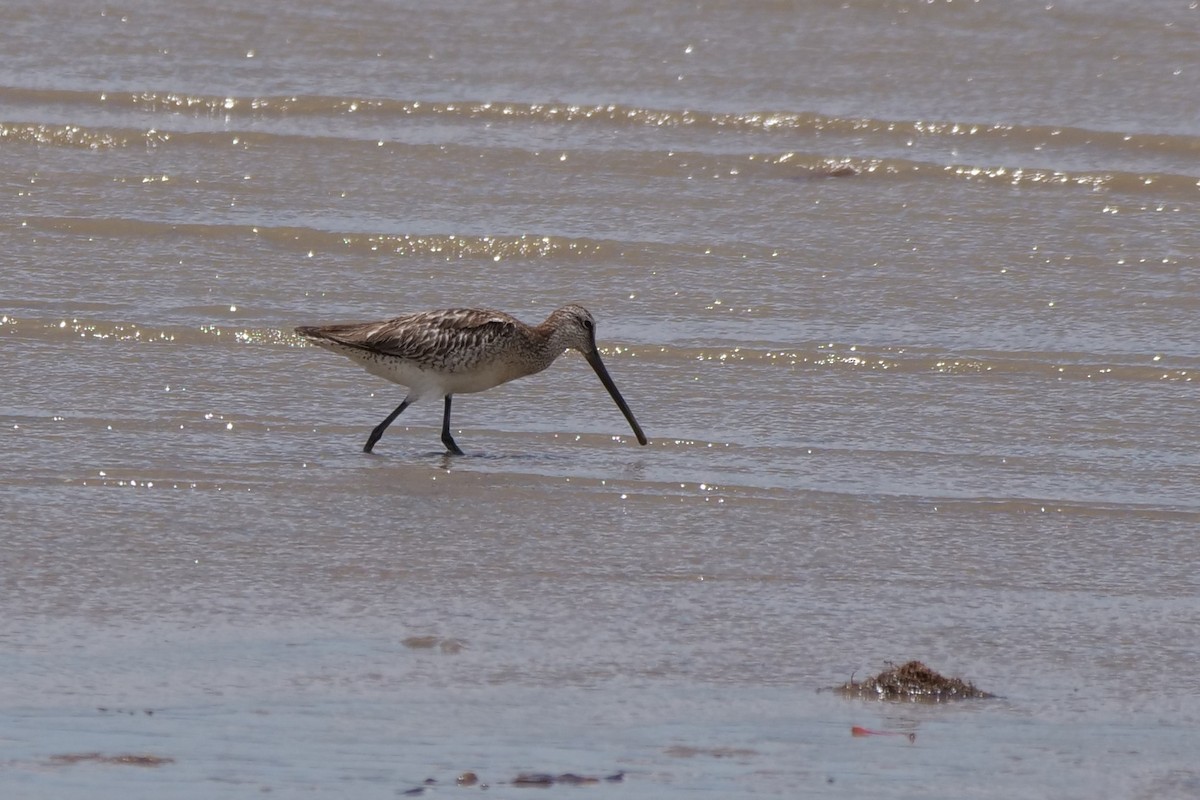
381,427
447,439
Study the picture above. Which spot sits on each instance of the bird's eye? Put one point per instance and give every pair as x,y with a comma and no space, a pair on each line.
587,323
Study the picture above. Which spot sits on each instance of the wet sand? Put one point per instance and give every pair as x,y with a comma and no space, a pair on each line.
902,294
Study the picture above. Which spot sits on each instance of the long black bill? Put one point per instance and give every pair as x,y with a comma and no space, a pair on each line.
593,358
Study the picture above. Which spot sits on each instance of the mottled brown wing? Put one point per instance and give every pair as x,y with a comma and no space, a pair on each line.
431,338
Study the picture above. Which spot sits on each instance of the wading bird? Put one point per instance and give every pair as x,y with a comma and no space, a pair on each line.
461,350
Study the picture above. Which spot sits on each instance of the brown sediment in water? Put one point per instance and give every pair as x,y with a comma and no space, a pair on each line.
912,681
142,760
450,646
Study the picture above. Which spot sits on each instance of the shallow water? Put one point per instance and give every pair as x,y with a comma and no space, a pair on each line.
904,295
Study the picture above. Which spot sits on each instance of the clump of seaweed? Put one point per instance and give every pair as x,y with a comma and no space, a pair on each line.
912,681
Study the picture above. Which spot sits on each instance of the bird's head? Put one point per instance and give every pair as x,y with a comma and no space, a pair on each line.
574,327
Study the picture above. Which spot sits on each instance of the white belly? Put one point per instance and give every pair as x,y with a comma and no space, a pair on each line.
426,382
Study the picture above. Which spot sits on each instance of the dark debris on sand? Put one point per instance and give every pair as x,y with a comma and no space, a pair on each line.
568,778
912,681
541,779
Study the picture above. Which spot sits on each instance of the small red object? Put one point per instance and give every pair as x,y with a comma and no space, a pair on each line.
858,730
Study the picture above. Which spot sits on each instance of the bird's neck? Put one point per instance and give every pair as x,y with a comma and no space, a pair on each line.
549,340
